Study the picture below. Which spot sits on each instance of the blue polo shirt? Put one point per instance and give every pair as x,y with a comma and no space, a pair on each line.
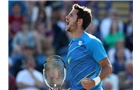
84,53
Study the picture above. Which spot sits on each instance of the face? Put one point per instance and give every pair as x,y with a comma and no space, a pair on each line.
25,27
16,8
30,63
113,14
41,3
27,52
115,25
63,14
129,68
41,28
120,54
71,20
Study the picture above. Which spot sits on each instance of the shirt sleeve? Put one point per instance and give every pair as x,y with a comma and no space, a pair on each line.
96,49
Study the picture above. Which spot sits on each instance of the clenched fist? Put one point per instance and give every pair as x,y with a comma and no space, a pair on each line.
87,83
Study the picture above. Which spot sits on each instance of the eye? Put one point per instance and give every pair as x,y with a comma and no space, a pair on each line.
71,15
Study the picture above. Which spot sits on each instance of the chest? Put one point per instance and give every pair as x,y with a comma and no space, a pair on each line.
26,77
77,52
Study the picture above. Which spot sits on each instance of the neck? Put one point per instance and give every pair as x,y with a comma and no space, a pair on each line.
77,33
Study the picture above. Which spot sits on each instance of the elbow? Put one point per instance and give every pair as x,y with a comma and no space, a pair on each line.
110,69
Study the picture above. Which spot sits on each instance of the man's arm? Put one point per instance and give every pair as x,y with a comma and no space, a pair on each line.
106,68
88,83
38,83
22,85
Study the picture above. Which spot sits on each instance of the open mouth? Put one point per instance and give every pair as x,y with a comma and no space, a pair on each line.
67,22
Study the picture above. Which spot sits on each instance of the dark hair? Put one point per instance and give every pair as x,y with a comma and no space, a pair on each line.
115,55
42,19
83,13
16,3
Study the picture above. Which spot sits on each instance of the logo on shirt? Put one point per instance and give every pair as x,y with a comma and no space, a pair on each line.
80,43
68,60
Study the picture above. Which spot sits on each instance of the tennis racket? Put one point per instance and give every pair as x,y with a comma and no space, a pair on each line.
54,72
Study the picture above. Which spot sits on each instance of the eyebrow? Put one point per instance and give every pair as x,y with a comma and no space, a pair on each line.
71,14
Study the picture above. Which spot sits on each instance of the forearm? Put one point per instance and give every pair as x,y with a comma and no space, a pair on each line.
38,83
106,68
105,72
22,85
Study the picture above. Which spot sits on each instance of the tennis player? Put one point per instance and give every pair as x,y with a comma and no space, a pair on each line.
87,57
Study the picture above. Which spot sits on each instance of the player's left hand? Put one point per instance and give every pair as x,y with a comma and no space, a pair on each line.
87,83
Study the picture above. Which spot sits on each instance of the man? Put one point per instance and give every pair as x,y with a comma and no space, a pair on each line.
87,58
29,78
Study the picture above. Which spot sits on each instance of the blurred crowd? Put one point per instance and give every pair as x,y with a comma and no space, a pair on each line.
37,30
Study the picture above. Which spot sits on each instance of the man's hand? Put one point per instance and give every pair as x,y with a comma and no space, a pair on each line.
87,83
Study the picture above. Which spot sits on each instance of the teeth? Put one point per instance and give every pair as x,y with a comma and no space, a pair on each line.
67,22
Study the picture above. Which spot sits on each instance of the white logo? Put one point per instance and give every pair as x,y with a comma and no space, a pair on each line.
80,43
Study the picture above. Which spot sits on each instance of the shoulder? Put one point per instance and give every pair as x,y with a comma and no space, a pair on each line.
91,39
21,73
88,36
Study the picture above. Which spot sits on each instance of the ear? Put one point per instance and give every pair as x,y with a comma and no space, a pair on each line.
80,21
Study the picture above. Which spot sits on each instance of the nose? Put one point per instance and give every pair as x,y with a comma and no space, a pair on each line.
66,17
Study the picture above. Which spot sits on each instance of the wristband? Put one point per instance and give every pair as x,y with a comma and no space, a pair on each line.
97,80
